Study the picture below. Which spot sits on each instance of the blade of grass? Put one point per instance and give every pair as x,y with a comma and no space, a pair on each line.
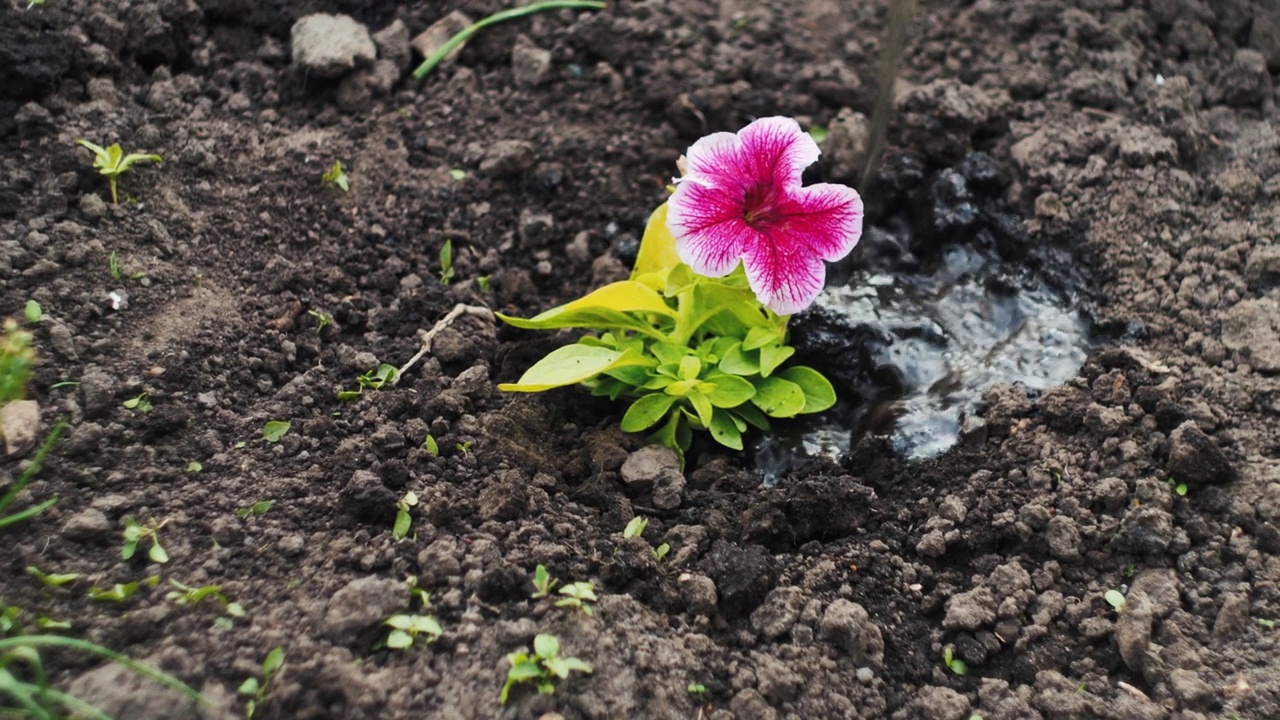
465,34
9,644
34,467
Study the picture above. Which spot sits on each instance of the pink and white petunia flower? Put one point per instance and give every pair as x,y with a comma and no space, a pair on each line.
741,200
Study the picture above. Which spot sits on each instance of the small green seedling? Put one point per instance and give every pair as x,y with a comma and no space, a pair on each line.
259,508
1130,570
431,446
1180,488
1115,599
274,430
255,688
141,403
112,162
953,663
375,379
403,520
113,266
464,447
577,595
34,3
661,551
543,668
1268,624
696,688
416,592
194,466
543,583
636,527
818,133
134,534
458,173
446,262
52,580
483,282
33,312
406,629
337,177
187,595
121,592
323,320
48,623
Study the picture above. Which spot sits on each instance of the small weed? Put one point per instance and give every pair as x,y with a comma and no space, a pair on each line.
636,527
274,430
661,551
577,595
373,380
1180,488
27,476
543,668
323,320
1130,570
446,263
1115,599
403,520
818,133
52,580
186,595
458,174
255,688
407,629
121,592
135,534
483,283
953,663
141,403
431,446
696,688
1268,624
543,583
33,312
464,447
113,266
337,177
194,466
112,162
259,508
64,385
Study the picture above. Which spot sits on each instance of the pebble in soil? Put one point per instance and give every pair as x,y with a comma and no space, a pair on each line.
946,297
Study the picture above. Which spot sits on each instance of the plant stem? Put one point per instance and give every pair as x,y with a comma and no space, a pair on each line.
20,641
114,200
28,474
465,34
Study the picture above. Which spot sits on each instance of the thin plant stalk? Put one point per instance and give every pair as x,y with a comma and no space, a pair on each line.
465,34
21,641
27,476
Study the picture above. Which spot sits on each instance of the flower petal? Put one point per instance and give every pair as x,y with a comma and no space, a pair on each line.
717,160
776,148
784,278
708,226
824,218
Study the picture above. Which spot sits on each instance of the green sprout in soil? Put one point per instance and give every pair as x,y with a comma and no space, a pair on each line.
141,403
33,312
1180,488
465,34
636,528
464,447
1115,599
274,430
255,688
259,508
194,466
577,595
116,593
696,688
483,283
431,446
25,479
112,162
543,668
337,177
403,519
113,265
1268,624
25,691
135,534
953,663
322,319
375,379
52,580
543,583
446,262
190,596
408,629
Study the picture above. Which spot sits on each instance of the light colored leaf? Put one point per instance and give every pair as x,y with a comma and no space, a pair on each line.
778,398
730,390
647,411
546,646
658,246
819,395
725,431
572,364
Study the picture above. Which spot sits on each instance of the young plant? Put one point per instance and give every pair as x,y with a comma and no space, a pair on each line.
25,479
543,583
465,34
52,580
577,595
407,629
337,177
33,312
375,379
275,430
323,320
431,446
1180,488
543,668
1115,599
135,534
187,595
953,663
259,508
255,688
403,519
116,593
636,528
112,162
141,403
446,263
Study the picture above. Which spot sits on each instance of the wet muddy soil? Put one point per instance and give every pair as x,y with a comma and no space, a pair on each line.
1130,182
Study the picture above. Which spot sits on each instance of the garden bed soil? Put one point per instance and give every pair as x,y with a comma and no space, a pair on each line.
1141,146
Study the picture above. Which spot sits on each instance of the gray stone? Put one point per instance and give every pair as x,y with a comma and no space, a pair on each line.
1262,269
778,613
330,46
361,605
749,704
1190,689
1141,146
1264,35
503,158
777,682
89,524
433,38
1252,328
845,148
98,388
970,610
847,625
1133,630
1195,459
393,44
1246,81
1144,530
19,426
1232,619
530,64
649,464
699,593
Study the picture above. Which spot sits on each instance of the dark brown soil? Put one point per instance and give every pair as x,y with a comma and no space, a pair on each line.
1141,139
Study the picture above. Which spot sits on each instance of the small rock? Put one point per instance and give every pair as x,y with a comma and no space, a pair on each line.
749,704
19,426
433,38
970,610
93,207
535,228
393,44
699,593
1262,269
647,465
846,145
1105,421
1252,327
363,604
777,682
864,675
1246,82
504,158
847,625
1194,457
330,46
1144,530
1064,538
1133,632
668,493
1232,618
87,525
933,544
779,612
1005,403
530,64
1190,689
33,119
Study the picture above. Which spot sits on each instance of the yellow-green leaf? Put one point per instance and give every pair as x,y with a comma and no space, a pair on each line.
778,398
603,308
572,364
819,395
657,247
646,412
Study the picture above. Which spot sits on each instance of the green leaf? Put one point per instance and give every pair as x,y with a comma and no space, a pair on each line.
668,354
658,246
725,431
274,430
634,375
132,158
572,364
679,279
32,312
157,553
275,659
401,527
556,666
574,663
778,398
702,406
647,411
248,687
731,390
431,446
399,640
622,297
819,395
546,646
773,355
634,528
523,669
737,361
758,337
